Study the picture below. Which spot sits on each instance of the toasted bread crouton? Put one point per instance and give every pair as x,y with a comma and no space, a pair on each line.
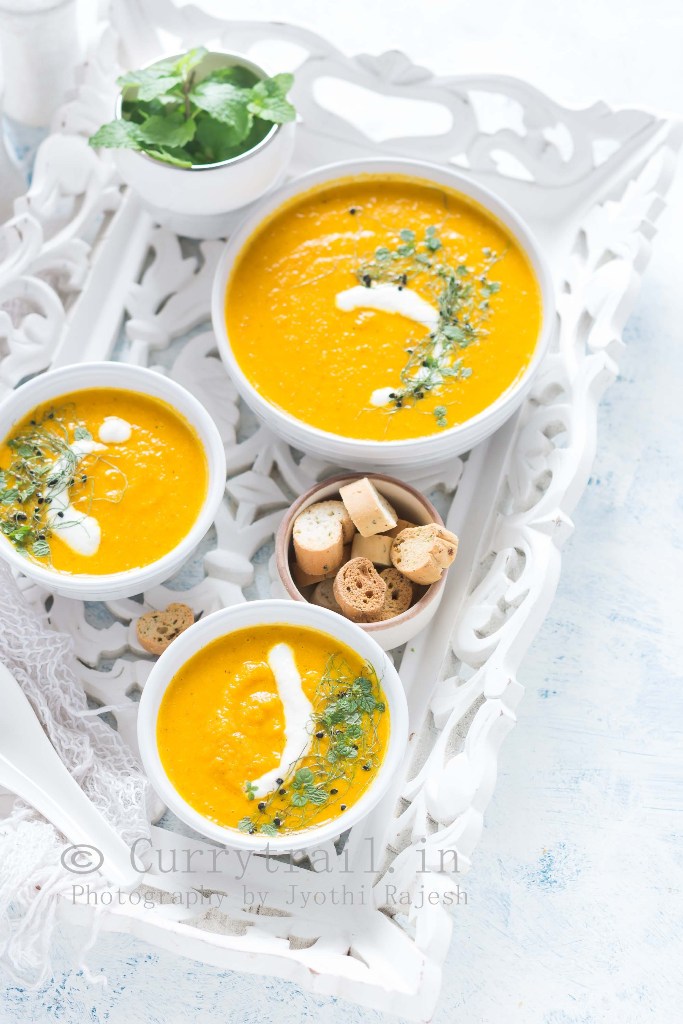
156,630
359,591
377,549
423,552
323,595
370,511
319,536
401,524
303,579
399,595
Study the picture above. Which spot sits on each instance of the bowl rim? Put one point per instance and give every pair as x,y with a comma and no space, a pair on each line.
223,622
74,378
283,537
479,426
242,62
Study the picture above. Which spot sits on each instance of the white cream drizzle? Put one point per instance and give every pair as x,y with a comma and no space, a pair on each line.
114,430
79,531
389,298
381,396
298,710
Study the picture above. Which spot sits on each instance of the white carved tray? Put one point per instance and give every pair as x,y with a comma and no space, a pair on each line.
84,274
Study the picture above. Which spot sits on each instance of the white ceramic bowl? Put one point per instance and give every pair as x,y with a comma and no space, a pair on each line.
196,201
410,505
48,386
241,616
417,452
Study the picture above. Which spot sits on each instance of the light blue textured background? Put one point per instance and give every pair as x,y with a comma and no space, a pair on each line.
574,913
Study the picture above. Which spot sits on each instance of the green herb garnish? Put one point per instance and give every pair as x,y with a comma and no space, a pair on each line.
176,114
461,294
45,466
344,741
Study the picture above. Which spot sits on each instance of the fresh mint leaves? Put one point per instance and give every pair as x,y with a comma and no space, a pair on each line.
117,135
268,99
174,113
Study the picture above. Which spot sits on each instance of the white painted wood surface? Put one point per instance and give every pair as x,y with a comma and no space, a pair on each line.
571,913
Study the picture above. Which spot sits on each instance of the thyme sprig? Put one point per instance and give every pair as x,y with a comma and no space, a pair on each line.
462,295
343,741
44,465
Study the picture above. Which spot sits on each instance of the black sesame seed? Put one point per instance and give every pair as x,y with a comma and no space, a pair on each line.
342,807
320,734
41,536
404,279
33,423
83,478
50,415
333,792
282,792
252,830
61,515
366,767
278,782
262,806
21,517
353,211
277,822
367,280
40,499
400,287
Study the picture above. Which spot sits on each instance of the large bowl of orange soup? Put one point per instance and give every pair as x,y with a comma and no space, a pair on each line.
110,475
272,725
383,313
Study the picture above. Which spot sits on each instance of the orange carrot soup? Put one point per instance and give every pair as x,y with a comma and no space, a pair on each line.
382,308
273,729
100,481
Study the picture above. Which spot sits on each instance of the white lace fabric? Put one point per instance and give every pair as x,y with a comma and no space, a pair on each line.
31,873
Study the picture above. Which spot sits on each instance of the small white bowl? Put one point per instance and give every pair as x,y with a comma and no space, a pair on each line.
256,613
414,453
52,385
410,505
197,201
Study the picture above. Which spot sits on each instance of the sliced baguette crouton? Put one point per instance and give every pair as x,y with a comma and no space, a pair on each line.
377,549
156,630
303,579
402,524
370,511
359,591
323,595
318,535
399,595
448,548
423,552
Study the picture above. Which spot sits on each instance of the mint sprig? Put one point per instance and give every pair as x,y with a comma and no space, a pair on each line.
175,114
